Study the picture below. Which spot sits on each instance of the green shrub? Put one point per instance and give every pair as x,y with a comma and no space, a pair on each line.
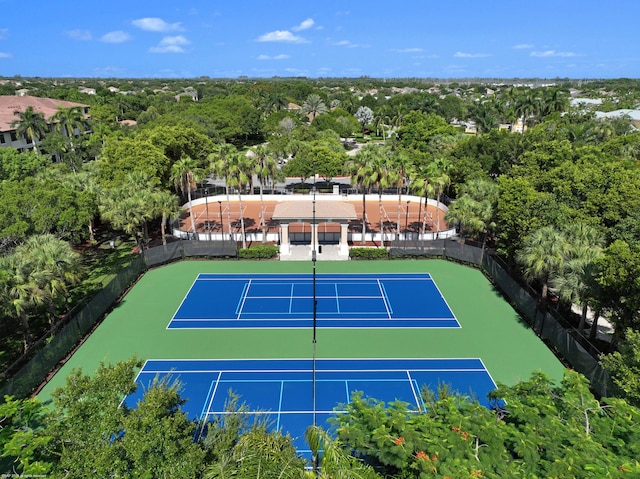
368,253
259,251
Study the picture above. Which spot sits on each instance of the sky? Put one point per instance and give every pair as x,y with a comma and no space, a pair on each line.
328,38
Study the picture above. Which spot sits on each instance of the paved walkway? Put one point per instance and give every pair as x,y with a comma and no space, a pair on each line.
330,252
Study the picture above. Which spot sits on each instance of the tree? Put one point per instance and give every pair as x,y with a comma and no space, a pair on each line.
617,273
542,256
239,445
381,175
185,173
22,441
130,206
94,434
121,156
359,168
438,172
534,429
21,294
220,162
239,169
31,124
402,167
364,115
267,171
624,367
314,106
166,204
474,209
574,282
52,267
15,166
334,462
421,184
67,121
157,438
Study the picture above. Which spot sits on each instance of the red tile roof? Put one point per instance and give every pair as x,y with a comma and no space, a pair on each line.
47,106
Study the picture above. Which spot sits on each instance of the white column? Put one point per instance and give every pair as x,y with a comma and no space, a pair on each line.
344,242
284,239
314,237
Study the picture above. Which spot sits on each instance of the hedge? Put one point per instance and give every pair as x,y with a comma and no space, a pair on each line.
259,251
368,253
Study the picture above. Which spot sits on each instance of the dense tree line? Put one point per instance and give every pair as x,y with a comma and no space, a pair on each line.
535,429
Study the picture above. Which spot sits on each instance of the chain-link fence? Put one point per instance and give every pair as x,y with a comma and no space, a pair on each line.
178,250
547,324
32,374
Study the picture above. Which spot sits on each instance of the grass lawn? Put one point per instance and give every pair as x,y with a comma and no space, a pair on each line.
491,329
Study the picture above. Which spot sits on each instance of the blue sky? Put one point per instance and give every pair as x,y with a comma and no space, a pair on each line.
329,38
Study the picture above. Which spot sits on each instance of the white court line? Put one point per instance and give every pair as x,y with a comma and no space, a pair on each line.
243,299
182,302
384,298
416,394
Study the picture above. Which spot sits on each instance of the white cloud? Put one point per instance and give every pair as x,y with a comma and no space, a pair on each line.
471,55
154,24
523,46
308,23
5,55
552,53
273,57
348,44
4,33
115,37
281,36
171,45
78,34
406,50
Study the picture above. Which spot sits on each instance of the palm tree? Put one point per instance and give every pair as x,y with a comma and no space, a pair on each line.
166,204
574,281
335,462
469,215
32,125
53,266
219,162
439,177
130,206
314,106
67,121
185,174
360,170
542,256
380,177
20,294
266,169
474,210
402,167
238,175
421,184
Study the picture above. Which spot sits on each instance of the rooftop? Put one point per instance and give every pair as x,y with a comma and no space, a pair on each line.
47,106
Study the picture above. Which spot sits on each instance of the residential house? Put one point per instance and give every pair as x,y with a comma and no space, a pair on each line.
10,104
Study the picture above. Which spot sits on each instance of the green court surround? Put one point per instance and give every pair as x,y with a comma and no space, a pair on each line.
491,329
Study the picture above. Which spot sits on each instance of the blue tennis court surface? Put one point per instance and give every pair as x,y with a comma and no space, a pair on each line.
286,301
282,389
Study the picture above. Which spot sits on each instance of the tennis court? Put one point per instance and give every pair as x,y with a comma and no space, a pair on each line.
293,394
287,301
486,327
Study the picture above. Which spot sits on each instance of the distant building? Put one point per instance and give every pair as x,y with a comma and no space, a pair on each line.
10,104
632,115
